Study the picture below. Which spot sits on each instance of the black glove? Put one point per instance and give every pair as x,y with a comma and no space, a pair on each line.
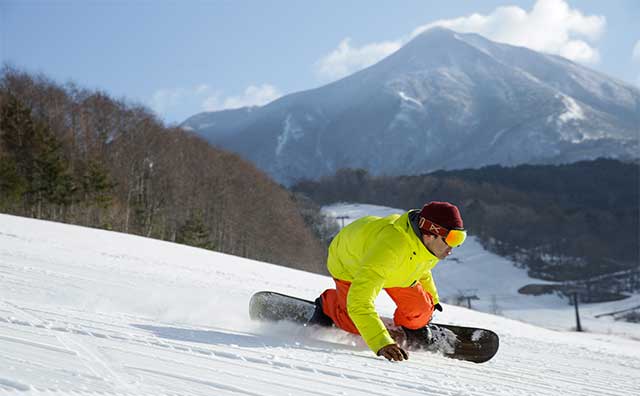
438,307
393,352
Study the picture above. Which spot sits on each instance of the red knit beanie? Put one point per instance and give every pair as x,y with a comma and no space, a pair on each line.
443,214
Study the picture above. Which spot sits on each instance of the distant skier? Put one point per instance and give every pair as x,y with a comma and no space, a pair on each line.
394,253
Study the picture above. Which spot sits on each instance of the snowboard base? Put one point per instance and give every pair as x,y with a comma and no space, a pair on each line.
457,342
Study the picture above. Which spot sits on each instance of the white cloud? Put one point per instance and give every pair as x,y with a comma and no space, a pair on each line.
212,103
635,55
252,96
167,101
346,59
202,88
551,26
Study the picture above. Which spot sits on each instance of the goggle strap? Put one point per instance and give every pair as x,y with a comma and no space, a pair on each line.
431,227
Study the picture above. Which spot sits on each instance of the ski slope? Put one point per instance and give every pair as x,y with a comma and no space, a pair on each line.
91,312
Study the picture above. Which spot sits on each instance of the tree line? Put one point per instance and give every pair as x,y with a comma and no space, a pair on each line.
79,156
562,222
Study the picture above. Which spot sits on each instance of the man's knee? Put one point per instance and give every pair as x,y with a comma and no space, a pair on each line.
413,319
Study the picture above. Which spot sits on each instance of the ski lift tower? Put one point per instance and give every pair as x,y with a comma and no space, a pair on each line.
342,219
574,291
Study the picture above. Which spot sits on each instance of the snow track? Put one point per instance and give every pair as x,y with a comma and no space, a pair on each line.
106,354
86,320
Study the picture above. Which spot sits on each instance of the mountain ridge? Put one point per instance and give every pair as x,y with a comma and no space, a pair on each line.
445,100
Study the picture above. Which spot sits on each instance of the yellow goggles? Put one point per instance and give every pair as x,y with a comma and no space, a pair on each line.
453,238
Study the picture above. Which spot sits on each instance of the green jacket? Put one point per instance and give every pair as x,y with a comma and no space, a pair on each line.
375,253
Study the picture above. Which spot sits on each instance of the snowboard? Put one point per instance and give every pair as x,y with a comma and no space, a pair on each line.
457,342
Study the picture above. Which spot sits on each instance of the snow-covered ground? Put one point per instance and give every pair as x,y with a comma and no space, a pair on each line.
85,311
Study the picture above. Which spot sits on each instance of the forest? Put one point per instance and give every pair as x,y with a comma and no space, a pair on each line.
562,222
78,156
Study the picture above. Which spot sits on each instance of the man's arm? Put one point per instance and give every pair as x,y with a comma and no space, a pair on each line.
429,285
381,259
361,308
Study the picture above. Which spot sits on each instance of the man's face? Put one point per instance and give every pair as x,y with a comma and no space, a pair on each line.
437,246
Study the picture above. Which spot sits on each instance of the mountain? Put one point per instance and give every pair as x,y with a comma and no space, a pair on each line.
219,124
443,101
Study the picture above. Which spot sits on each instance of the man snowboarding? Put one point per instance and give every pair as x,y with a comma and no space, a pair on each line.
394,253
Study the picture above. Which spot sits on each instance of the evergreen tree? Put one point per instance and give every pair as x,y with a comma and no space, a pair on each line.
17,134
34,159
97,186
12,185
53,182
195,233
17,140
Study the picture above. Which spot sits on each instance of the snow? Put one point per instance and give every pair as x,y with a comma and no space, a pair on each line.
404,117
291,131
572,110
206,125
88,312
355,211
409,99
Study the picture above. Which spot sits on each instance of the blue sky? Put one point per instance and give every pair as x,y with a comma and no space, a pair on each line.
183,57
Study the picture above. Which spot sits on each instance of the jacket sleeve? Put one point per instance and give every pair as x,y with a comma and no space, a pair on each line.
429,285
367,284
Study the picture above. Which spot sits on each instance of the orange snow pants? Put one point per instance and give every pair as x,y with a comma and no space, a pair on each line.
414,306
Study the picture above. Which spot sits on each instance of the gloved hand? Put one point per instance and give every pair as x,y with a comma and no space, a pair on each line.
438,307
393,352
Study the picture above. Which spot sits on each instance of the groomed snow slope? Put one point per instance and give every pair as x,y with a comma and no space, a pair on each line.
85,311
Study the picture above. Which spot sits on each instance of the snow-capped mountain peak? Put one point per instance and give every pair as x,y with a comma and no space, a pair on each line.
445,100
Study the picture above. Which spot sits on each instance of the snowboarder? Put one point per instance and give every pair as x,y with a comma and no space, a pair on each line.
395,253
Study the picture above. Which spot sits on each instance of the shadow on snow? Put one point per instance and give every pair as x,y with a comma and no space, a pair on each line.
303,338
